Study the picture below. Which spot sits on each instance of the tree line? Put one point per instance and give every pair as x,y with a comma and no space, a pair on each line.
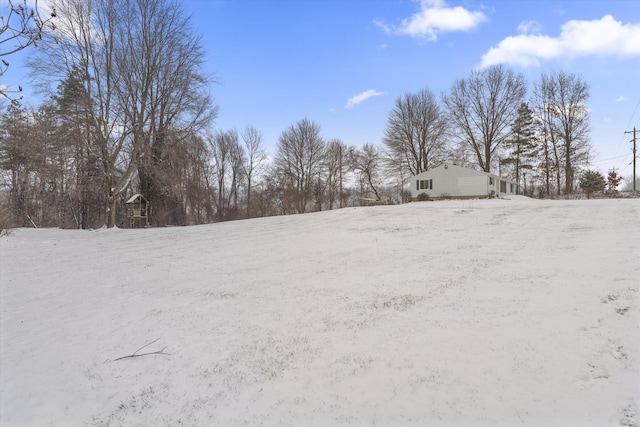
130,111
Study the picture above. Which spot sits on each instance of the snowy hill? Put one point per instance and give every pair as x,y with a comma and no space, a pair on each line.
493,312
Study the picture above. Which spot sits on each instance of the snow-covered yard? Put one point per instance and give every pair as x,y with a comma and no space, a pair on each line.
475,313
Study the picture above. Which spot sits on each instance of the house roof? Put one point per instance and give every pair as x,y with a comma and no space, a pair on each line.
135,197
462,170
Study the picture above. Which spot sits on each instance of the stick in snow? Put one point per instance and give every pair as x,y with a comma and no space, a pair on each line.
135,353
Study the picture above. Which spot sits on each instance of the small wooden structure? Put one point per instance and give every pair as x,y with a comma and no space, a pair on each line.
138,211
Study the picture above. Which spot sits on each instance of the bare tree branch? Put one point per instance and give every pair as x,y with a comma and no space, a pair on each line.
20,28
482,107
136,354
415,131
300,152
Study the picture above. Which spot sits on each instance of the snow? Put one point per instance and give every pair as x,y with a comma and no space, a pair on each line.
449,313
133,198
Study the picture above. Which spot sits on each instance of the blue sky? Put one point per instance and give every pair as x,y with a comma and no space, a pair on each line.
342,63
281,61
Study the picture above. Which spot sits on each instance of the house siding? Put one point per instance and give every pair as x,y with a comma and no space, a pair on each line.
472,185
457,181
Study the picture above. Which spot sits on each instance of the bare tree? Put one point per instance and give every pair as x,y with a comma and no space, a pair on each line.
56,190
164,57
19,154
87,46
255,158
274,197
415,131
548,136
298,161
335,166
366,162
33,171
198,190
396,172
228,157
482,107
562,100
141,75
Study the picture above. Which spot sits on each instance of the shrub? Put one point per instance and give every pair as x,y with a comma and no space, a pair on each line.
5,223
592,182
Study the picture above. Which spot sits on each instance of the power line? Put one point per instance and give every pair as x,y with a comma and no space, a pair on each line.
631,119
634,112
611,158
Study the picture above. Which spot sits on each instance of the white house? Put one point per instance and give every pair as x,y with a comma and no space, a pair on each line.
452,181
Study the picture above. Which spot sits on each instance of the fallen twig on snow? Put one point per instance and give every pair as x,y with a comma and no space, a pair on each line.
135,353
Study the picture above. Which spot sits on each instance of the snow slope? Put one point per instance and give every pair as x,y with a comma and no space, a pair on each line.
487,313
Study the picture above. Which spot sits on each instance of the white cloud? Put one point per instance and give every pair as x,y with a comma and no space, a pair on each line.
384,27
435,17
357,99
530,27
621,98
45,7
604,36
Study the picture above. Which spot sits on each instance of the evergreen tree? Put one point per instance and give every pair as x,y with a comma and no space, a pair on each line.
522,143
19,155
613,181
78,140
592,182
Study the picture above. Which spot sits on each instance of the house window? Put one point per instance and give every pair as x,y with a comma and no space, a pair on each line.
490,180
503,186
417,184
513,188
425,184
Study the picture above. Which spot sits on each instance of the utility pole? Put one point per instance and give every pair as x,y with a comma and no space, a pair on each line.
340,156
634,157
